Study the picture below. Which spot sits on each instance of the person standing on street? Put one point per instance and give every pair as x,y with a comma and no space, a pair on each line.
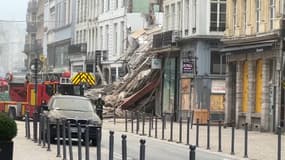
99,106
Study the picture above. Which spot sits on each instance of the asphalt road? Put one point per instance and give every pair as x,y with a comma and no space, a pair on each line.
156,149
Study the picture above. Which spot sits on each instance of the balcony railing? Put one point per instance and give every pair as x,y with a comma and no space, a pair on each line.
165,39
78,49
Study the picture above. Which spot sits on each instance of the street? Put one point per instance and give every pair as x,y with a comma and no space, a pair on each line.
25,149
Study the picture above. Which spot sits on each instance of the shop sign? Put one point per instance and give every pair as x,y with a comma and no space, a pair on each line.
156,63
218,86
187,66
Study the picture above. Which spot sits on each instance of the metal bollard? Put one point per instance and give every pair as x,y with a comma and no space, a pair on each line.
124,147
197,132
149,127
63,139
143,123
142,149
171,128
58,138
28,126
155,131
44,131
188,131
192,154
114,116
99,143
111,146
126,121
132,121
220,137
138,123
208,134
279,143
163,122
180,130
245,139
79,141
69,141
40,129
48,134
35,127
233,140
87,153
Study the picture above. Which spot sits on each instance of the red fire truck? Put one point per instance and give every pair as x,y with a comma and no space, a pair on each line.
22,95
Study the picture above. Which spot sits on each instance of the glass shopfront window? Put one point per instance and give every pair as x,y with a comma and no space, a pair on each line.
169,85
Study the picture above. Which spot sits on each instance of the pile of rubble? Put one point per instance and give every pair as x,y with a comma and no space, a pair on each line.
139,73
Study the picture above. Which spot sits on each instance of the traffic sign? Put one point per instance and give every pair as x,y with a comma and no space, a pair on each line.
83,77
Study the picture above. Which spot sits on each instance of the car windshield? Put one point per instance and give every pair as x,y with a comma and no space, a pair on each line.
72,104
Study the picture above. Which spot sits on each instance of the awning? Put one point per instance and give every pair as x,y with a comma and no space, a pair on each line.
130,101
247,47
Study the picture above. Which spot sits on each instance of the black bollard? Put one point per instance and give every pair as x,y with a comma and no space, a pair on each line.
208,134
163,123
132,121
69,141
63,139
180,130
124,147
188,131
48,134
155,131
40,129
28,126
35,127
220,137
192,154
79,141
58,138
99,134
245,139
192,118
279,144
142,149
233,140
143,123
138,123
171,128
149,127
44,131
111,146
87,143
126,121
197,132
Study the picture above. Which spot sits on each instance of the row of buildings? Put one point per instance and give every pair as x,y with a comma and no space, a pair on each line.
223,56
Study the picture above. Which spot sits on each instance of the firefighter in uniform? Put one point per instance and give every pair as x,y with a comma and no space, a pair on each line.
99,106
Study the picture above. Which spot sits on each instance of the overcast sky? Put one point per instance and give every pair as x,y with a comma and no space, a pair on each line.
13,9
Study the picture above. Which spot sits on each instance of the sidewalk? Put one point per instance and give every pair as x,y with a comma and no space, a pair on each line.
261,146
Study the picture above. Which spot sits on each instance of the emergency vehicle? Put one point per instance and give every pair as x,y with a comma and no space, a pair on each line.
22,95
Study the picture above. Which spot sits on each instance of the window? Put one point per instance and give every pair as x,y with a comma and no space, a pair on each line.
218,63
107,37
167,16
101,38
187,14
244,15
102,6
258,9
218,15
179,15
108,5
173,16
235,14
115,37
272,13
116,4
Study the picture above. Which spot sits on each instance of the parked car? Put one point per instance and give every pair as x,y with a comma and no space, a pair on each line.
76,110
